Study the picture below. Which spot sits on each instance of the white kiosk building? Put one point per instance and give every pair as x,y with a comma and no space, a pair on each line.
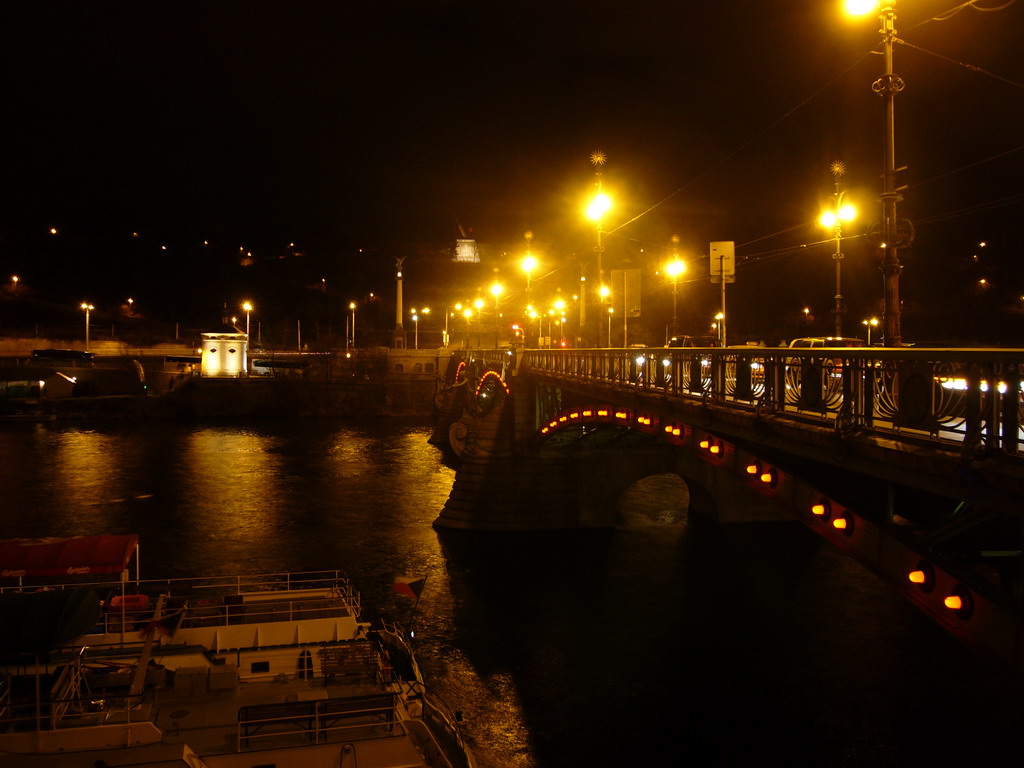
225,355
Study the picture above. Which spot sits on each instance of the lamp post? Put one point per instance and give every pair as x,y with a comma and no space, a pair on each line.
528,264
247,306
468,314
891,233
88,308
611,311
496,290
596,210
674,269
352,329
832,219
416,324
870,323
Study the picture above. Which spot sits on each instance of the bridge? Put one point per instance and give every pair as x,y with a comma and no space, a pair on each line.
909,460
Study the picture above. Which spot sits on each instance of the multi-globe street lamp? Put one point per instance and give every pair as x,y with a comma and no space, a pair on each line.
891,233
832,219
88,308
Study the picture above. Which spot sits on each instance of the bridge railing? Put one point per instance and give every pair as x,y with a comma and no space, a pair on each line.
969,398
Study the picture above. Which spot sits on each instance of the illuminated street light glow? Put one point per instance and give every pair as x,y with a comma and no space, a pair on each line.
674,269
88,308
832,219
247,306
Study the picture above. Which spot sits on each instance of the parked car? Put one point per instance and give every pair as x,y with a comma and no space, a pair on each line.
826,341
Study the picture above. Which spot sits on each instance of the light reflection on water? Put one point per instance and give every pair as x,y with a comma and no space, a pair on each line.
597,648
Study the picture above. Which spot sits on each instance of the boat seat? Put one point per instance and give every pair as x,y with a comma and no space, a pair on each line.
353,660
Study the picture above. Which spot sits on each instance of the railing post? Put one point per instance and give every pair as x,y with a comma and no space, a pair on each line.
1009,422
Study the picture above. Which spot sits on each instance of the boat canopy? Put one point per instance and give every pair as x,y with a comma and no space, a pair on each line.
66,557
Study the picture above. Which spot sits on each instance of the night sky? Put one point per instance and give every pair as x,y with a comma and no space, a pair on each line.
167,142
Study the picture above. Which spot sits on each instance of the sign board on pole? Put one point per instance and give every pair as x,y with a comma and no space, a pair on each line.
723,261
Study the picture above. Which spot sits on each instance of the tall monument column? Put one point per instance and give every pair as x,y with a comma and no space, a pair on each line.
398,339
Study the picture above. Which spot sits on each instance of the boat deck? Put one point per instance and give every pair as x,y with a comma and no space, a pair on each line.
252,723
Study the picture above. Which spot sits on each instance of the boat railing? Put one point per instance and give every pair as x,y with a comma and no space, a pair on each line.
444,724
65,705
350,718
337,582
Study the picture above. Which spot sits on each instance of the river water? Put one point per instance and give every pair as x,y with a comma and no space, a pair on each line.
665,640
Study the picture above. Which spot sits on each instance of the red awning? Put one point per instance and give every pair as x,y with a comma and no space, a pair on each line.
66,557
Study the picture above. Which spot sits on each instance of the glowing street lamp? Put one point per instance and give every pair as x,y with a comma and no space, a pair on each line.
247,306
88,308
416,324
596,210
352,329
832,219
674,269
893,233
870,323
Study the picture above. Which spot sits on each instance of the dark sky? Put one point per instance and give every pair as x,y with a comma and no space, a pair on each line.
363,132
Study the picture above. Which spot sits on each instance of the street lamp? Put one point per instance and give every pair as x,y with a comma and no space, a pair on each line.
599,205
833,219
496,290
870,323
718,325
416,324
88,308
352,330
891,233
611,311
674,269
247,306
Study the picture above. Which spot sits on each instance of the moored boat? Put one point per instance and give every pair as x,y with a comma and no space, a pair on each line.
275,669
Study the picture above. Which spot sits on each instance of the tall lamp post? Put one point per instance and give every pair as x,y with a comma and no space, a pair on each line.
496,290
596,210
528,264
869,324
891,233
674,269
832,219
88,308
352,329
416,324
247,306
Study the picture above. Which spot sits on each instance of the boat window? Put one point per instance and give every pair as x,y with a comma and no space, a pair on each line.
259,666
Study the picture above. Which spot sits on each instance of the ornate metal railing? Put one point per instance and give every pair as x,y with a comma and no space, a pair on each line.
967,398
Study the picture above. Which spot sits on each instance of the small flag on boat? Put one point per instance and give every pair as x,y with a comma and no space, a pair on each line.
166,626
410,586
